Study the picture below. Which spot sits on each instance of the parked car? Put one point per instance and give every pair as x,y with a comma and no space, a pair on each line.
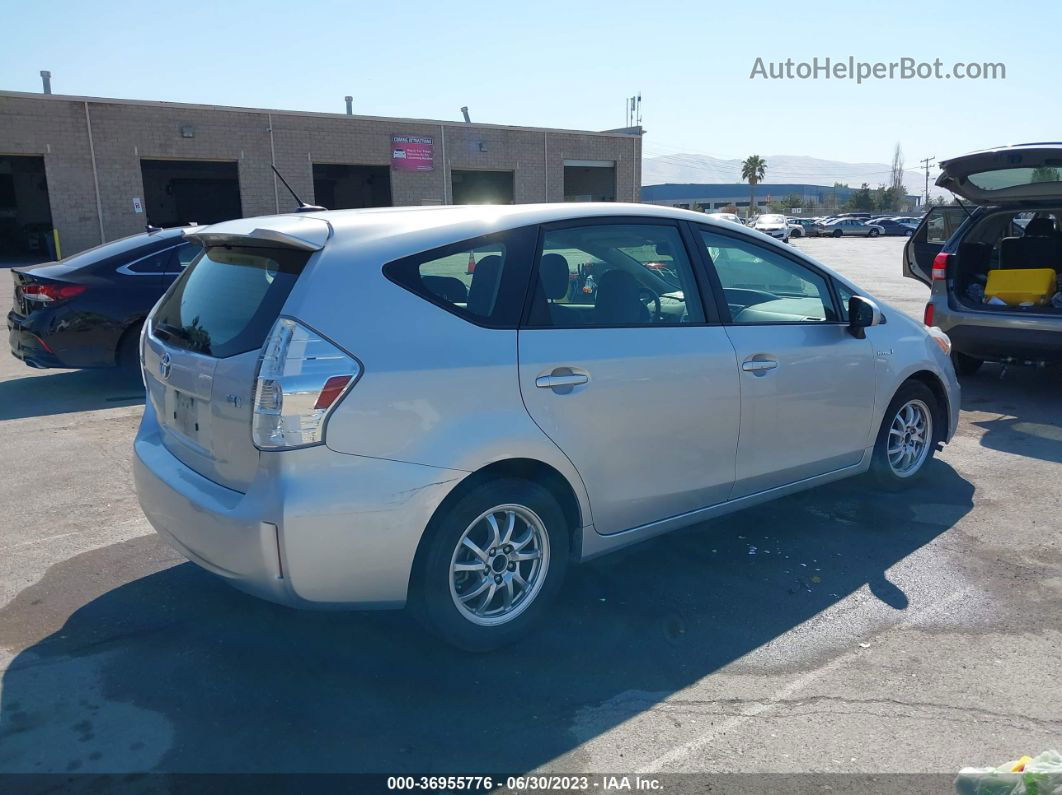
731,217
774,225
1014,225
459,440
841,227
894,228
803,227
859,216
86,310
908,219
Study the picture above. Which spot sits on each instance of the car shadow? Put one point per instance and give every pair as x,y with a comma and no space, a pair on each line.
174,671
1027,400
65,391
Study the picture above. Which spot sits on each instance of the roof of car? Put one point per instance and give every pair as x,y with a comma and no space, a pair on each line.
425,227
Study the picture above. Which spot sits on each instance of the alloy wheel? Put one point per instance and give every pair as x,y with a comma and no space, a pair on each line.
499,565
910,438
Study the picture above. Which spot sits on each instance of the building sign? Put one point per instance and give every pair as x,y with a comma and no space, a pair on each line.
137,206
412,153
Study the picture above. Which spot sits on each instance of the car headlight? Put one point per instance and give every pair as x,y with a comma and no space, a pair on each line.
942,339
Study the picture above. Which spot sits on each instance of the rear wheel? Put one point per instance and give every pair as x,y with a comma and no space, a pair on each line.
128,354
965,365
908,436
492,563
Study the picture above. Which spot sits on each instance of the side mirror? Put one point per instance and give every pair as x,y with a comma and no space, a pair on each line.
862,314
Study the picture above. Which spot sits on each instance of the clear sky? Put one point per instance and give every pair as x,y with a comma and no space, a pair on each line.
571,64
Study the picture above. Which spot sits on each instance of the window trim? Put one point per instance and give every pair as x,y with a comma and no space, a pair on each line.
512,290
708,308
720,296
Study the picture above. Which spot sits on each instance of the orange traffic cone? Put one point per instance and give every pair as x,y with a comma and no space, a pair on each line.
471,263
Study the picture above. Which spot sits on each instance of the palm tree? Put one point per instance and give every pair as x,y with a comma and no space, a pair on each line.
752,171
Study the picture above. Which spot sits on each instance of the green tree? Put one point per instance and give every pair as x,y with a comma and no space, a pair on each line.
753,171
862,199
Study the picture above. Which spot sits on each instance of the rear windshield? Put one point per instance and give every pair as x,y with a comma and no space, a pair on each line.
227,300
1003,178
125,245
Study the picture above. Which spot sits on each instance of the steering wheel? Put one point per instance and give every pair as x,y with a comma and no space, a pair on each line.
647,296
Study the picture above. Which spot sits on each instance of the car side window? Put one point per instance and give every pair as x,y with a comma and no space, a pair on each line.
483,280
762,286
614,275
157,262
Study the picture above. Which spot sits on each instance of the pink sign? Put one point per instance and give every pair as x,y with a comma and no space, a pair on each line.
412,153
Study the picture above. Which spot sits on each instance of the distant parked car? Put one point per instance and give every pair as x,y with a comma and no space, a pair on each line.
848,227
774,225
895,228
87,310
803,227
908,219
725,217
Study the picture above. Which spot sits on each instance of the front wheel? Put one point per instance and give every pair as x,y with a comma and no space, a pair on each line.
492,563
873,233
838,233
908,436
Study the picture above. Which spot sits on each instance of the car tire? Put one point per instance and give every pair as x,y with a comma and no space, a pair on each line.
898,460
965,365
873,233
838,233
445,589
127,356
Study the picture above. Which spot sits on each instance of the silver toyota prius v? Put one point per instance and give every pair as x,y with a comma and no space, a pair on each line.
445,407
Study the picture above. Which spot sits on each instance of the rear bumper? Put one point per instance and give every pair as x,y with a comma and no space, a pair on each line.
1001,337
27,346
315,529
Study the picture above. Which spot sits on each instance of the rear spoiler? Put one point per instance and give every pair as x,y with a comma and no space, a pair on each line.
303,233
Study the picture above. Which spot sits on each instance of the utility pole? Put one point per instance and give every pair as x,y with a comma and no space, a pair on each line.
927,162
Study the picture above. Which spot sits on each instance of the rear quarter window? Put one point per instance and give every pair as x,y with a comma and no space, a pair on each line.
226,301
483,280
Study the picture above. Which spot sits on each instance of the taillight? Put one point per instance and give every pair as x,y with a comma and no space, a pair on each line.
300,379
940,266
49,293
927,316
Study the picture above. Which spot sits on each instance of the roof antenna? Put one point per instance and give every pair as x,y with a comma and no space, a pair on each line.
303,206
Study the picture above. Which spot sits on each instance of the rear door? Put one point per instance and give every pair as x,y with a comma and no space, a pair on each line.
621,368
928,239
201,355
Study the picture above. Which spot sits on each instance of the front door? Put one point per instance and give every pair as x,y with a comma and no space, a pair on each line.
619,367
807,385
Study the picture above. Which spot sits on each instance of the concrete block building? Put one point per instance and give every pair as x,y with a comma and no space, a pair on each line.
95,169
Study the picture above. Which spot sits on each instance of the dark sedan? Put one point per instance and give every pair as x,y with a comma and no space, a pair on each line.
890,226
87,310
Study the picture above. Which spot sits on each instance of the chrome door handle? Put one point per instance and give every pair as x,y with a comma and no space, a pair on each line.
554,381
758,365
